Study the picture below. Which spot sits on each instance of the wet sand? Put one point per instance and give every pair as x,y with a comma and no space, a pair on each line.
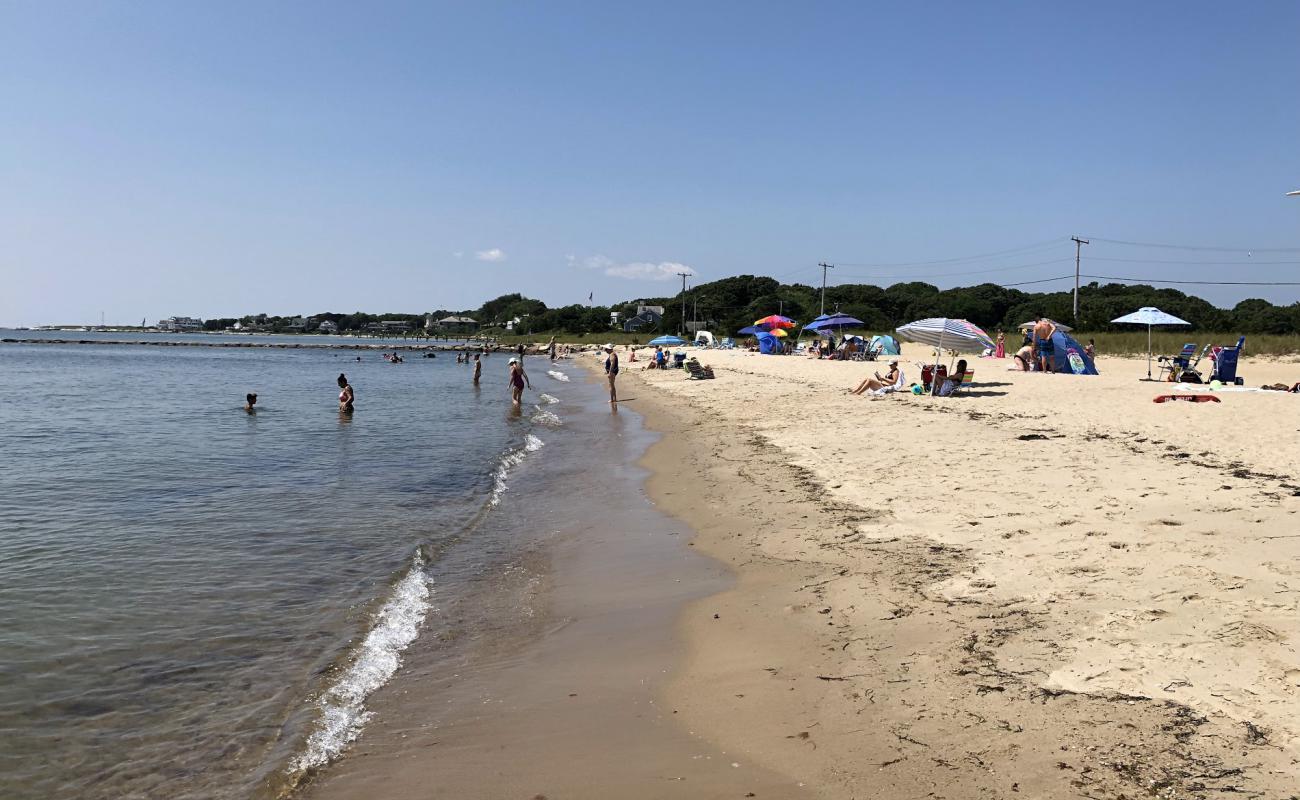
563,697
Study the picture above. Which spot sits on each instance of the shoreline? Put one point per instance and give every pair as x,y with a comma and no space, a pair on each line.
862,650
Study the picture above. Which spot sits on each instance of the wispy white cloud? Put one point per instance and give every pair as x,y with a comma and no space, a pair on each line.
634,270
495,254
458,254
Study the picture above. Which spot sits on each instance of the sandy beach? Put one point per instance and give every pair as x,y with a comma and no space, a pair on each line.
1052,587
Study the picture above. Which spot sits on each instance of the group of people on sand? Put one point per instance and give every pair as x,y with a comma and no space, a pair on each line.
1037,351
942,383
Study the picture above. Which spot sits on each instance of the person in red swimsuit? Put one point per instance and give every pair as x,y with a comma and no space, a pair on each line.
518,379
346,395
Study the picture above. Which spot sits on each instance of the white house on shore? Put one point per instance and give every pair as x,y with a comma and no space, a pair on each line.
180,324
328,326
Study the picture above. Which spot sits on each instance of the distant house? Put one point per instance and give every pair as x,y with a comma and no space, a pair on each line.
180,324
394,325
457,324
328,326
296,325
646,317
615,319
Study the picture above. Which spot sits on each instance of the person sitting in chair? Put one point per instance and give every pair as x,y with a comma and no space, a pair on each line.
953,381
879,382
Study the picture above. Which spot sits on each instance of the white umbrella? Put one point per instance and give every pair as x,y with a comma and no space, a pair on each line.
952,334
1148,316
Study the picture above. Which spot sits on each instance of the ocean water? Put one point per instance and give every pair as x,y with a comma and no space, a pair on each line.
196,602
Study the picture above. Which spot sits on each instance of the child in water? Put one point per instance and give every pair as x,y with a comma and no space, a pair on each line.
250,400
518,379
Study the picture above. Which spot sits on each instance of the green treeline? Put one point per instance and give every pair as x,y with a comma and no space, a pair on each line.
726,305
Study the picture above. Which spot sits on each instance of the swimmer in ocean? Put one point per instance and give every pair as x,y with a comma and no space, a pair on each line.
346,395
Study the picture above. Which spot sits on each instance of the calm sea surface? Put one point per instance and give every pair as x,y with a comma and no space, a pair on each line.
196,602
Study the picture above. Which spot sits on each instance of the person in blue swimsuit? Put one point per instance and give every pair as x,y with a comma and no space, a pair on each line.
611,371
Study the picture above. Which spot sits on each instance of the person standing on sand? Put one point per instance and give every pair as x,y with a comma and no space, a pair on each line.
518,380
1044,329
478,370
346,395
611,371
1001,351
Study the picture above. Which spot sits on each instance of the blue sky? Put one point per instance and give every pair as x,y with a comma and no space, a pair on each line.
224,158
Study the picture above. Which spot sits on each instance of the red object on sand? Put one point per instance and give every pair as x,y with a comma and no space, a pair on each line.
1191,398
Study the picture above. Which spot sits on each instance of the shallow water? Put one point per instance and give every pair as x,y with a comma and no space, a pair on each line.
196,602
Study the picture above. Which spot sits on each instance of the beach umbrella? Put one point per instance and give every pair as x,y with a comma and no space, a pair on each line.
775,321
667,340
944,333
752,330
1148,316
1024,326
780,334
832,321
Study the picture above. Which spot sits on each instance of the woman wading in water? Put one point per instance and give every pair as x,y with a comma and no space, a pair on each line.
611,370
346,395
518,379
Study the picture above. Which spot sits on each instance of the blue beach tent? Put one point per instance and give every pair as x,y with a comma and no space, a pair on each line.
886,345
768,344
1070,357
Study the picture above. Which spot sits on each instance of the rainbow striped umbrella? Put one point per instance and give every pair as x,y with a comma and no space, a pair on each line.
775,321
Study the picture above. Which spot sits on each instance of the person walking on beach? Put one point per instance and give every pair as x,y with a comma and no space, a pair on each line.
611,371
1044,329
518,380
346,395
478,370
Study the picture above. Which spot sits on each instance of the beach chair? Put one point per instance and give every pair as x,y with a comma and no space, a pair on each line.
679,360
966,380
728,343
698,372
1172,366
1225,363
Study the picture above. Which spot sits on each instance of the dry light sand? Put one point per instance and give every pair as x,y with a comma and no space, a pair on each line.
1052,587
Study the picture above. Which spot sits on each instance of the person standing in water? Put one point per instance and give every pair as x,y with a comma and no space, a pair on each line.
611,371
550,348
346,395
518,379
478,369
250,400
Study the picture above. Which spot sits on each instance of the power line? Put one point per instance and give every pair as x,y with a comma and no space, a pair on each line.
1196,283
1195,263
1056,241
1200,247
953,274
1041,280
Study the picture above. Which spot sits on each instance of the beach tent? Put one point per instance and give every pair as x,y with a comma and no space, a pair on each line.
704,338
886,345
768,344
1148,316
1069,357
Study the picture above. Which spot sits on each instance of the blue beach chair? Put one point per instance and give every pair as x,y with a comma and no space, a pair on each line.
1225,363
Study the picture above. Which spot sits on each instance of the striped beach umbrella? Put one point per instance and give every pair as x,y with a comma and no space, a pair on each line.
775,321
943,333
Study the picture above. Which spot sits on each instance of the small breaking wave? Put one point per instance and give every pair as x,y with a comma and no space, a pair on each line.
548,399
559,376
512,459
342,706
543,417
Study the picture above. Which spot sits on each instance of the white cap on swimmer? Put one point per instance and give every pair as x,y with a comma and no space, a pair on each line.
513,361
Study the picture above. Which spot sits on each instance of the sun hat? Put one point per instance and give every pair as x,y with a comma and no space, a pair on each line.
609,346
513,361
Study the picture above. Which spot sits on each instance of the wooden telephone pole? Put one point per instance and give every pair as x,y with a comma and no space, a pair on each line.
1078,246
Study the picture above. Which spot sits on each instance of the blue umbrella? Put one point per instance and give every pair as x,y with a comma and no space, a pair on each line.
752,330
668,340
826,322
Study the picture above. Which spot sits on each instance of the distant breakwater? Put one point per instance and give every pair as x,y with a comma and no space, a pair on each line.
275,345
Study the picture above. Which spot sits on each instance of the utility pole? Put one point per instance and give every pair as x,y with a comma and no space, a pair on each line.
1078,246
824,267
683,276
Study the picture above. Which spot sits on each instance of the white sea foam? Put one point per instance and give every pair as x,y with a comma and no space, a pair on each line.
543,417
342,706
556,374
509,460
548,399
